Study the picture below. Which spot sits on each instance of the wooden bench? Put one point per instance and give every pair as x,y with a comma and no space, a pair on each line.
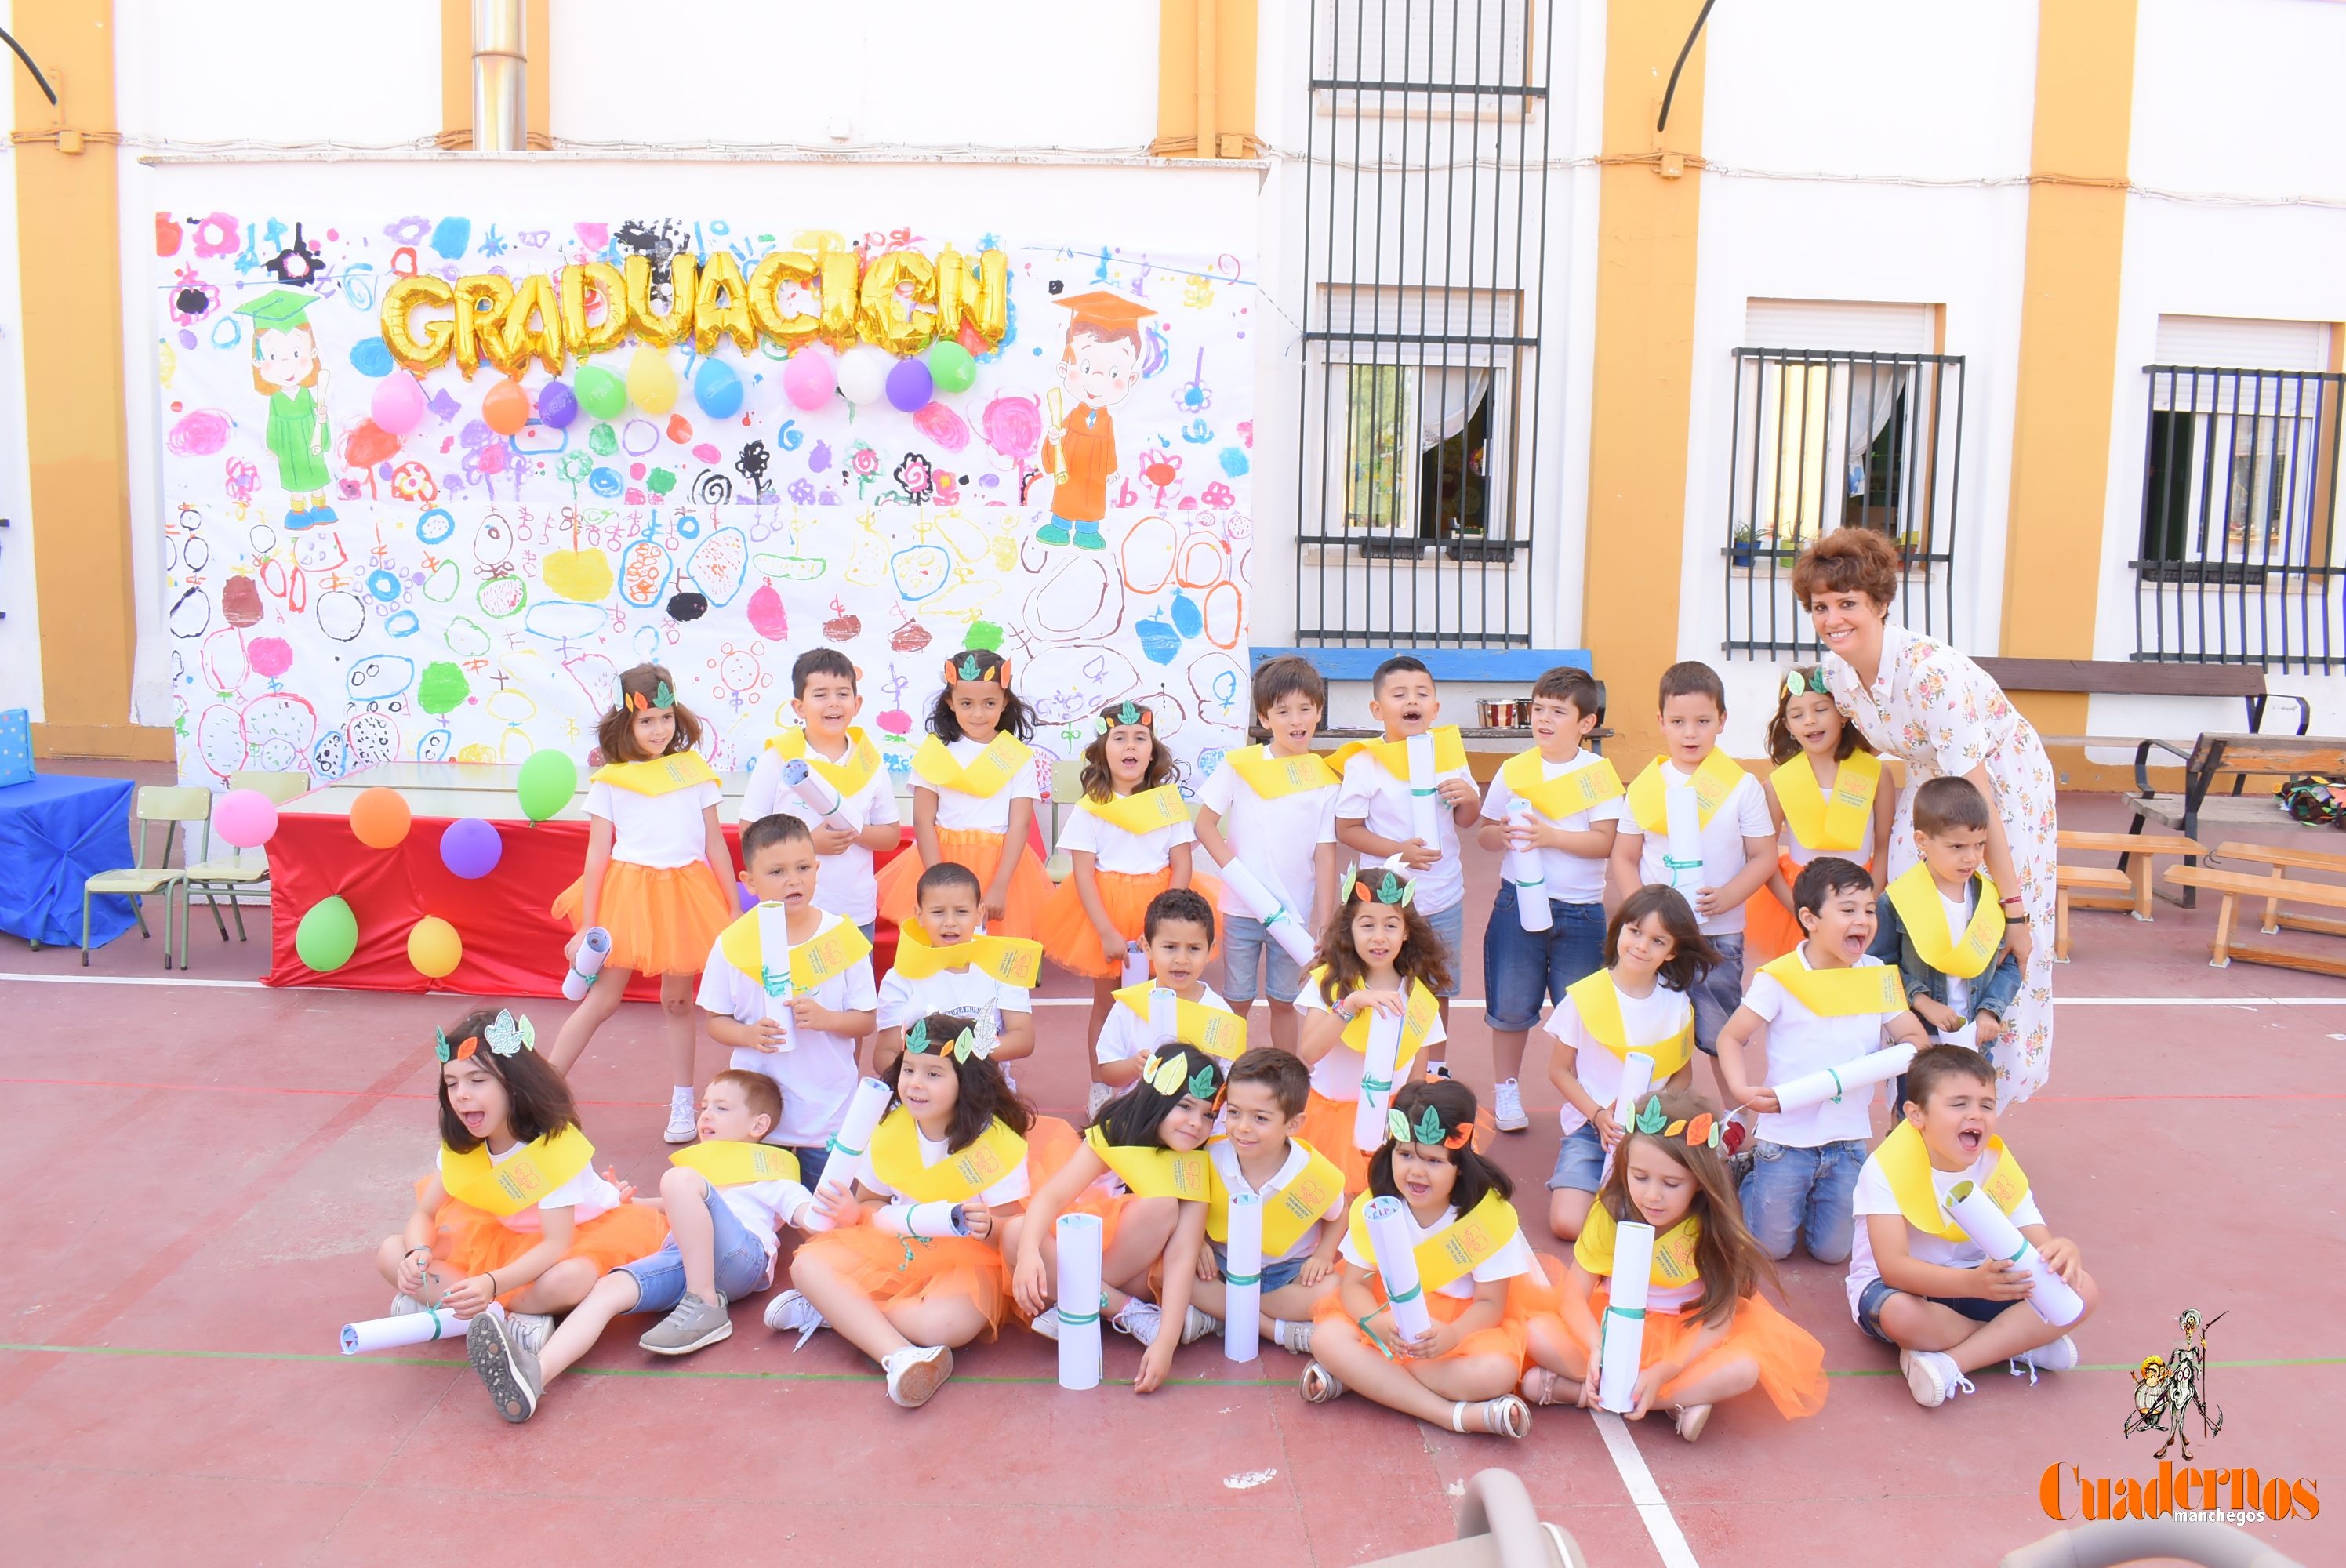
2130,678
2283,860
2212,757
2235,886
2125,887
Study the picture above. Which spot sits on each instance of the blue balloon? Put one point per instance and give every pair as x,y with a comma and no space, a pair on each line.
558,405
717,387
371,357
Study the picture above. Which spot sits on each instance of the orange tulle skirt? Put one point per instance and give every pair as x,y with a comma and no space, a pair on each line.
474,1241
889,1269
1770,929
1030,890
663,919
1071,941
1328,1127
1791,1363
1508,1338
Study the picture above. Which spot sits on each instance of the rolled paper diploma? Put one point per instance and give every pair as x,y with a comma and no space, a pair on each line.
1523,869
1242,1279
1622,1330
774,954
1396,1248
817,796
1683,852
407,1329
593,949
1263,901
1636,1079
1079,1300
864,1109
1377,1070
931,1220
1831,1083
1136,964
1993,1229
1164,1015
1424,804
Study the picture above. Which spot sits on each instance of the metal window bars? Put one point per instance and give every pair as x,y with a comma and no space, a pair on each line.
2238,560
1424,238
1827,439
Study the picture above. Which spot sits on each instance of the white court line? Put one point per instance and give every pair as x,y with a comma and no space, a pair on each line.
1660,1523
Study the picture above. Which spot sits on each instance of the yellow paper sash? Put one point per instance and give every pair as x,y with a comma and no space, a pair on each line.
1564,795
1142,813
727,1162
1154,1173
1393,756
1288,1213
1839,823
507,1186
987,771
1915,895
1906,1160
1714,781
1674,1266
1839,993
848,777
819,958
1215,1032
1271,777
1425,1007
958,1177
657,774
1012,959
1456,1249
1598,1001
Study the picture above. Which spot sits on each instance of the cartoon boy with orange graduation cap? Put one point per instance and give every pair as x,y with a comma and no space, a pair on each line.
1101,366
286,368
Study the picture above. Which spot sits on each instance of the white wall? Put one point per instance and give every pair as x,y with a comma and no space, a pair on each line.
20,633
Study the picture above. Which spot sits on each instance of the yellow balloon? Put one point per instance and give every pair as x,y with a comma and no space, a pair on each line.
427,351
839,297
651,381
720,274
584,337
482,299
793,330
434,948
519,340
980,295
650,325
883,318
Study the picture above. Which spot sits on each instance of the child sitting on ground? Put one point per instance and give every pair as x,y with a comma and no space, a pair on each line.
1259,1154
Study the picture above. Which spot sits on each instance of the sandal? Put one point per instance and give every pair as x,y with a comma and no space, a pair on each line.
1691,1420
1319,1385
1506,1416
1549,1391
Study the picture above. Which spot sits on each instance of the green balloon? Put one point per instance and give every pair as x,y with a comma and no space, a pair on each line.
327,935
950,367
600,392
548,781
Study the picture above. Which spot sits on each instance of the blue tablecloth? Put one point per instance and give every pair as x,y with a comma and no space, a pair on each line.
57,832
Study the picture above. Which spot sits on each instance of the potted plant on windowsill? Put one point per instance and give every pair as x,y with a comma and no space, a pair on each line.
1744,549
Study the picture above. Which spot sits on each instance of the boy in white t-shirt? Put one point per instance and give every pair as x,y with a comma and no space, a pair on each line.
945,965
1177,934
1915,1280
823,978
844,763
1824,1004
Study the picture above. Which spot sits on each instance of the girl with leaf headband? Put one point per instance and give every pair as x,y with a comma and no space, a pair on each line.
1826,797
974,794
1473,1263
1141,1167
1709,1334
514,1224
659,876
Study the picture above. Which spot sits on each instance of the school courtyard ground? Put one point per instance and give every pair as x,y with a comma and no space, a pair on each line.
197,1167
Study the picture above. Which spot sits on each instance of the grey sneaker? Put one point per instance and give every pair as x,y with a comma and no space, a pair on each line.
1295,1337
692,1325
529,1327
791,1312
507,1365
1140,1319
1507,1107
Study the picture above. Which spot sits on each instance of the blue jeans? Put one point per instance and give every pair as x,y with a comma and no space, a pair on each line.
1450,925
1579,1161
744,1266
1869,1301
1274,1274
1804,1195
811,1162
1718,994
1249,951
1525,970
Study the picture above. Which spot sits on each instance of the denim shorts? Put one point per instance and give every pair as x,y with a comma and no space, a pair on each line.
1450,925
1522,971
1248,951
810,1163
1803,1195
1579,1161
744,1266
1877,1291
1274,1274
1718,994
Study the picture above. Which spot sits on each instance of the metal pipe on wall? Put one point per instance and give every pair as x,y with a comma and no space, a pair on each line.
500,77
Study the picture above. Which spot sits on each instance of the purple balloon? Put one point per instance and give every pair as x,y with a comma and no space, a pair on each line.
470,848
749,899
558,405
909,386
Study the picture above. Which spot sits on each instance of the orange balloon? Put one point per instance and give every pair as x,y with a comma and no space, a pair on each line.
506,408
379,818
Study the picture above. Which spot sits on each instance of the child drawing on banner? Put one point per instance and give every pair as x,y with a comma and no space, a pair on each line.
1101,368
288,371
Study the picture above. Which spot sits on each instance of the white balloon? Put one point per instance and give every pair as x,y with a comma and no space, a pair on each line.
863,374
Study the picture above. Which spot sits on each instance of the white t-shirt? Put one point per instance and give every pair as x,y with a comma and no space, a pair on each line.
1659,1015
1742,815
660,830
1114,850
1226,1162
1801,1043
1279,839
763,1207
1571,878
1126,1034
1380,801
1337,1075
1011,1188
587,1194
819,1074
987,813
1513,1258
1873,1196
967,993
1958,911
843,883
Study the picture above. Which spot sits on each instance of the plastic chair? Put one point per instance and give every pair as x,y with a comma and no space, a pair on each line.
1067,788
1498,1527
169,807
239,876
2106,1543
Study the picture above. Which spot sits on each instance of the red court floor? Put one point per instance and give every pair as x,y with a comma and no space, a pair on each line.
199,1168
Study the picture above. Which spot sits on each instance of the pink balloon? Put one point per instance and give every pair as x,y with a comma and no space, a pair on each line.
398,403
809,379
245,817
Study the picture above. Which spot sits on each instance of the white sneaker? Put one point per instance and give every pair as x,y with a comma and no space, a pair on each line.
1196,1324
1047,1323
1100,1096
1507,1107
1140,1319
402,1304
915,1373
683,1122
791,1312
1931,1376
2060,1356
1295,1337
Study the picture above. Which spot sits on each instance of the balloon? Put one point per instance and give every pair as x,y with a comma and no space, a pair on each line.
910,385
506,408
647,325
517,339
951,366
433,947
747,898
429,351
379,818
651,380
558,405
482,300
863,374
584,337
835,290
470,848
717,387
809,379
327,936
399,404
710,320
765,280
548,780
880,315
600,392
978,297
245,817
368,444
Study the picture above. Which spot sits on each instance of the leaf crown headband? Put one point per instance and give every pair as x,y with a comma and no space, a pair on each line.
1703,1131
1392,889
977,1042
637,702
1129,714
1164,1075
972,666
1428,1129
504,1035
1806,683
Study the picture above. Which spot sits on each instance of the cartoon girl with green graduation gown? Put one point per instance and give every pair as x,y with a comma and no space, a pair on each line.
286,367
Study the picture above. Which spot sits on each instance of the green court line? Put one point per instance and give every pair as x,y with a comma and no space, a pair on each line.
2108,1366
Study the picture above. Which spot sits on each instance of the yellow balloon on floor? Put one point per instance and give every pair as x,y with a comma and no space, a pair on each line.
651,381
434,948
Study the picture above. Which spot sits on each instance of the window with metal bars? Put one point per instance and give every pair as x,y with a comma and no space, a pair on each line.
1829,439
2238,561
1424,235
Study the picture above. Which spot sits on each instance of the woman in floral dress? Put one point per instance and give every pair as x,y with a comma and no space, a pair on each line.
1932,706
